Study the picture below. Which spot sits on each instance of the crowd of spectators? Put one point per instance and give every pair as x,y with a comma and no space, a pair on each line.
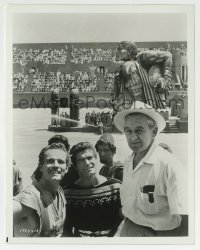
100,118
19,82
77,55
109,81
179,51
83,55
98,79
182,50
44,82
46,56
59,56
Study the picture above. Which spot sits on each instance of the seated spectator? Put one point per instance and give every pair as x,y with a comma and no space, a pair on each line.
39,209
46,56
93,201
43,82
83,55
19,82
109,81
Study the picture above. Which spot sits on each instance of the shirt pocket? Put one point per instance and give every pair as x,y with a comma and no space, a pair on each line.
147,203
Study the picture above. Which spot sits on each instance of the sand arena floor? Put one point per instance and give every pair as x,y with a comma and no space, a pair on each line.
30,134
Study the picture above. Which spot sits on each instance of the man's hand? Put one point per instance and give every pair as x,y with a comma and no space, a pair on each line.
118,66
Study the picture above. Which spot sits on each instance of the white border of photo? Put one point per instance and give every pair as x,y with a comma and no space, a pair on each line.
12,7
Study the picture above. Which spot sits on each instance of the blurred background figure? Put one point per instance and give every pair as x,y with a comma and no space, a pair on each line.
106,149
17,179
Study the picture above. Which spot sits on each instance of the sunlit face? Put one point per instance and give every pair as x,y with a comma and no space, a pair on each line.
54,167
105,153
138,133
86,163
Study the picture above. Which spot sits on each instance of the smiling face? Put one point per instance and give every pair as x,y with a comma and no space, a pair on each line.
54,166
86,163
139,133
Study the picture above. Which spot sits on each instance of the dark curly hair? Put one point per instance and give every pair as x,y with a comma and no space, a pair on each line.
130,47
59,139
37,174
80,147
103,142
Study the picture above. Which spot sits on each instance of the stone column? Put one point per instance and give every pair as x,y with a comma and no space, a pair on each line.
55,104
74,107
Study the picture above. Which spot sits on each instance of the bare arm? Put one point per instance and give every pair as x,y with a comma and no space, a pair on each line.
17,212
150,57
26,222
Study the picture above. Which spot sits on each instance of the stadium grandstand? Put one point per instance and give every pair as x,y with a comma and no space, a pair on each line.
89,67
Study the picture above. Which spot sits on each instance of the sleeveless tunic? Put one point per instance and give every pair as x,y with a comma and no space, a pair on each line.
51,214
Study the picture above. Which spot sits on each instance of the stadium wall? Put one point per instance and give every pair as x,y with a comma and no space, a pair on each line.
42,100
100,100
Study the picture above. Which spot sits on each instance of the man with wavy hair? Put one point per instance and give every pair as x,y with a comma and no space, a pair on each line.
39,209
93,206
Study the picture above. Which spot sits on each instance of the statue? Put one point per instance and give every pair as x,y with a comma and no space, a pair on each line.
143,76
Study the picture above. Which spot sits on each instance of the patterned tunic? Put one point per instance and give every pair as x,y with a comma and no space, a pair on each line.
115,171
93,212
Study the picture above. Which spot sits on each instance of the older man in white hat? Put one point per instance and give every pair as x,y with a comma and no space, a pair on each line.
150,193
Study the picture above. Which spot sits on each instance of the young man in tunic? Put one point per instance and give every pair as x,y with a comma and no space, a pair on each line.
93,202
39,209
106,149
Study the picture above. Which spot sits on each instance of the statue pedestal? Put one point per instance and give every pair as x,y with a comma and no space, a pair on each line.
183,125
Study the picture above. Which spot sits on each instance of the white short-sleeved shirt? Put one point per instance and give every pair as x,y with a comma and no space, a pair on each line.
161,169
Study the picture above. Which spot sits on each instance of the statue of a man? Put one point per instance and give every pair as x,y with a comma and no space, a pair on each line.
144,76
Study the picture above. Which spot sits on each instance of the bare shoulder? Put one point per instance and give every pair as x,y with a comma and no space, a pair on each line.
26,221
20,210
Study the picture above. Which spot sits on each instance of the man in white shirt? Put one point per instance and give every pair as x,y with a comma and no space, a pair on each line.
151,190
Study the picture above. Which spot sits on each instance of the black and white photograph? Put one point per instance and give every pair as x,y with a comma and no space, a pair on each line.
101,124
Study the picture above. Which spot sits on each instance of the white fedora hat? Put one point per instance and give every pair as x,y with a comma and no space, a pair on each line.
139,108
